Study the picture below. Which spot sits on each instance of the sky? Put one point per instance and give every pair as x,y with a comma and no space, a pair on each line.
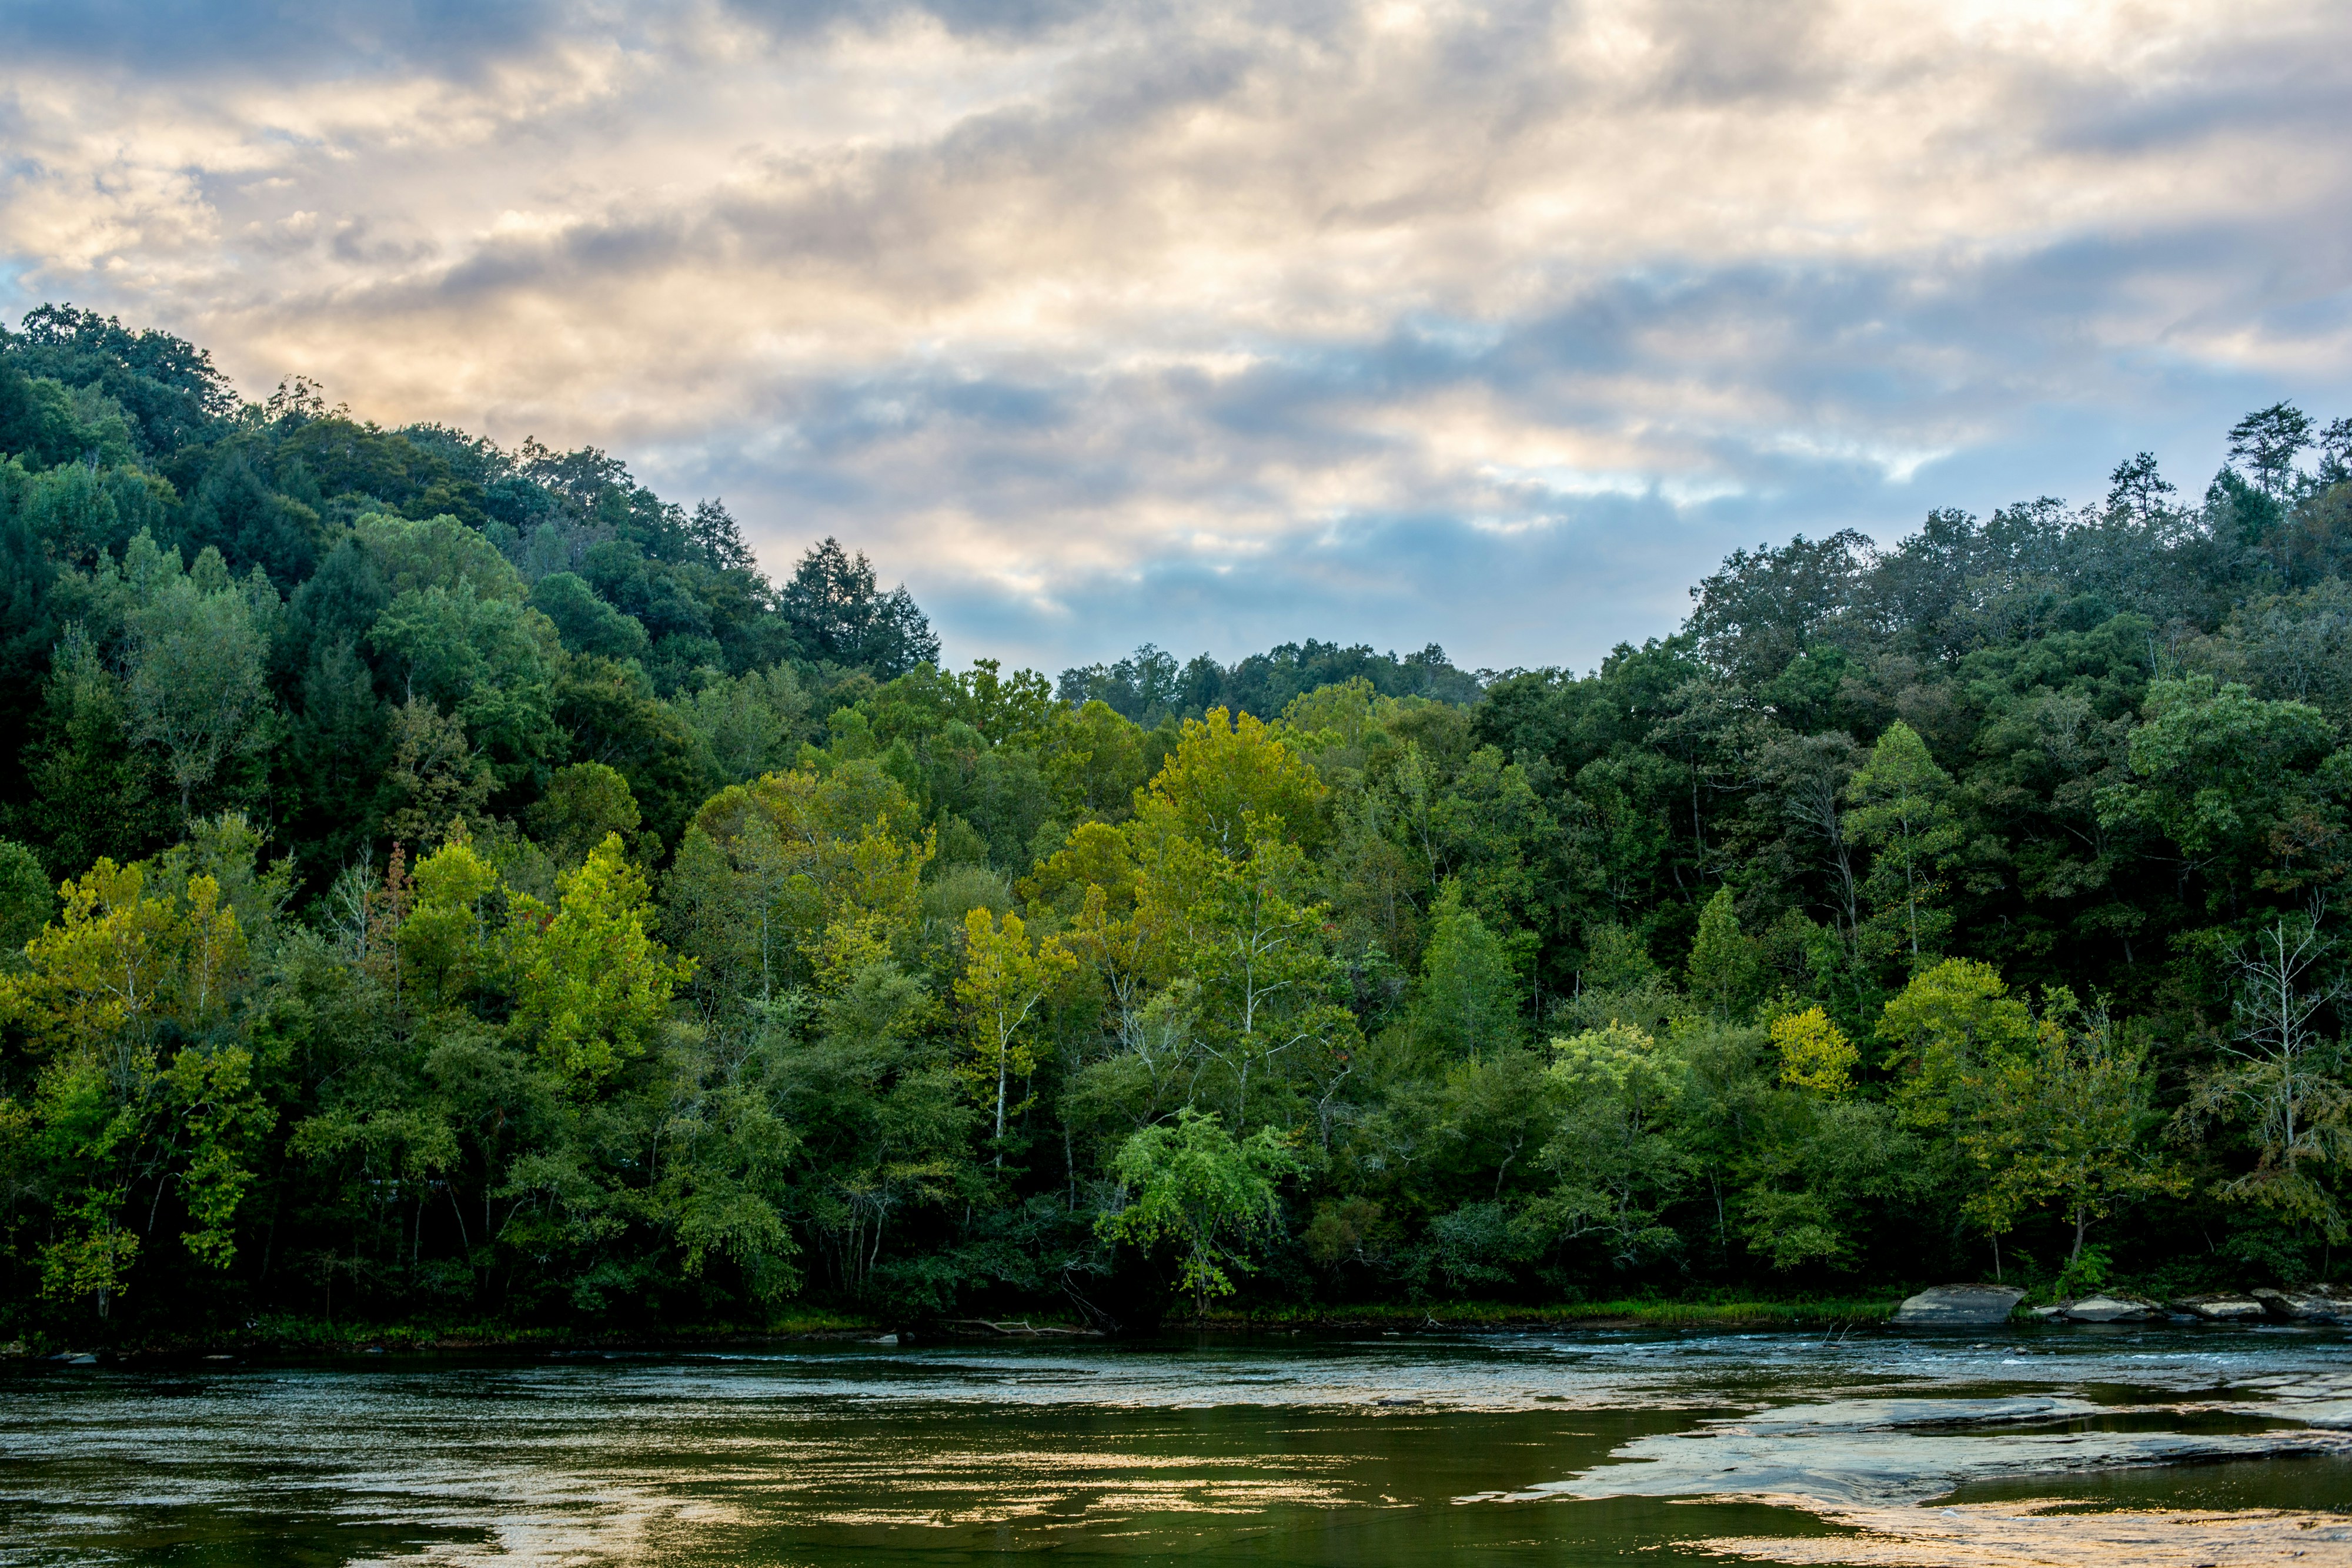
1219,325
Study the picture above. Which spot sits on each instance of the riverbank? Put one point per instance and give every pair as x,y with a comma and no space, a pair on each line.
292,1335
1807,1313
296,1336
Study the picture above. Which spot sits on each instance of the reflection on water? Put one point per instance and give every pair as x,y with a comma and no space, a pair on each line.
2048,1446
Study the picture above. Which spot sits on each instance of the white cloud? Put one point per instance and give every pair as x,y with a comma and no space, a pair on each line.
1133,293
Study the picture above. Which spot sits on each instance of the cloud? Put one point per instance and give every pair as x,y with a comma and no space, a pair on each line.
1493,324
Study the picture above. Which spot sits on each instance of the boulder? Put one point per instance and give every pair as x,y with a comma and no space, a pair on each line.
2222,1307
2110,1310
1957,1307
2317,1304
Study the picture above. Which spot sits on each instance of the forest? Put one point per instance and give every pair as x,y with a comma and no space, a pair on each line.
447,883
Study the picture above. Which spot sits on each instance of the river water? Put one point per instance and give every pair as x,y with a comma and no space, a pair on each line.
2163,1446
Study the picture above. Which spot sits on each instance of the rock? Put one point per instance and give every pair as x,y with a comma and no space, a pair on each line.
2110,1310
1957,1307
2320,1305
2222,1307
2049,1314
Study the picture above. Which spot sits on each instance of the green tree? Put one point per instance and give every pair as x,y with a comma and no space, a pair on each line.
584,804
2284,1080
1191,1183
1619,1166
595,983
1725,965
2065,1118
197,682
95,793
1231,780
485,660
1469,1000
1901,813
2267,442
2234,782
27,899
1006,979
1257,957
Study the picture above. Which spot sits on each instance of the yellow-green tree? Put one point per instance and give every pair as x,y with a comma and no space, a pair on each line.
1230,780
799,875
445,940
1256,951
1006,979
1943,1027
594,983
2065,1118
136,948
1814,1053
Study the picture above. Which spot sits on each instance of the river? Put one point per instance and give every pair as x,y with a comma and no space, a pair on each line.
2115,1447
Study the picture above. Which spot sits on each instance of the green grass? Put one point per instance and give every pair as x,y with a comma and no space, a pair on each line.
289,1333
301,1335
1809,1312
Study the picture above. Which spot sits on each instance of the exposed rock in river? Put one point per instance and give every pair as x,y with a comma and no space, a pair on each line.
1958,1307
2222,1307
2313,1304
2111,1310
1892,1450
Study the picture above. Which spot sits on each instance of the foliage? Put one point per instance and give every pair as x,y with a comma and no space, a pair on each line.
451,881
1198,1186
1814,1053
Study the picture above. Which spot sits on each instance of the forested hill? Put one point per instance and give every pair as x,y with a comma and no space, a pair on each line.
454,883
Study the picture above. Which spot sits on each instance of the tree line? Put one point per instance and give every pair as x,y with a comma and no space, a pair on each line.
453,883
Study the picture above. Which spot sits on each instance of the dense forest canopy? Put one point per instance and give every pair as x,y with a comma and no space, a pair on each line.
449,881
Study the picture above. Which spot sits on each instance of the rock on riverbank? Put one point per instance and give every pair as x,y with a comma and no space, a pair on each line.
1958,1307
2312,1304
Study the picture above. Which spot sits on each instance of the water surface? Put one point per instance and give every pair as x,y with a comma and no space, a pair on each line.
2110,1447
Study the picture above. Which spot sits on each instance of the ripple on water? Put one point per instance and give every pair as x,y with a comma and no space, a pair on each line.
1434,1447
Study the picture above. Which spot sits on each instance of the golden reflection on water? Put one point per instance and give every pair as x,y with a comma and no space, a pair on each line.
1523,1450
2047,1532
990,1486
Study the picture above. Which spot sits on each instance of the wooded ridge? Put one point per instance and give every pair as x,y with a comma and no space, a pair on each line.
443,882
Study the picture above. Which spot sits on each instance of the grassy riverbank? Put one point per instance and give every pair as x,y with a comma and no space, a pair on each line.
286,1334
1731,1312
293,1335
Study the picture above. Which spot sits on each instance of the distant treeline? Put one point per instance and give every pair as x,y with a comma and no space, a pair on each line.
1149,686
447,882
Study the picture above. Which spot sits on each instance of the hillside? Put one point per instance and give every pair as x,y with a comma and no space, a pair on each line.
450,883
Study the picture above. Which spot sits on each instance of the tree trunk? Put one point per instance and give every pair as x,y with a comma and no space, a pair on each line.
1002,1066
